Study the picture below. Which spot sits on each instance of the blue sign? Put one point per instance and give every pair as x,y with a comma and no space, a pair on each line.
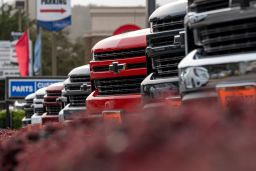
20,88
53,15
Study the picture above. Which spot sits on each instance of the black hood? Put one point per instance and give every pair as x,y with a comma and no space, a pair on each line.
175,8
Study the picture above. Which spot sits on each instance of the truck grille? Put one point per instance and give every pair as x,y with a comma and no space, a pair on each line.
124,54
39,111
53,93
79,78
161,41
39,96
129,66
29,112
229,37
167,65
172,23
208,5
73,87
29,101
116,86
53,110
77,100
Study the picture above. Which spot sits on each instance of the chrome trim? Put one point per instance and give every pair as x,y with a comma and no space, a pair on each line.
229,85
191,59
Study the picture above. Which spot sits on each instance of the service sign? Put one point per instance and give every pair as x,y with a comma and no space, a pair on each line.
54,15
19,88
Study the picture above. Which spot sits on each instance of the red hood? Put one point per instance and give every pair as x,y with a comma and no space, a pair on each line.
130,40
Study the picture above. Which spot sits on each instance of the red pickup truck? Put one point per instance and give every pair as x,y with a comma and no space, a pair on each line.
53,92
117,70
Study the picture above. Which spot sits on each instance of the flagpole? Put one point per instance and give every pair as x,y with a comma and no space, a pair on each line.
31,73
39,33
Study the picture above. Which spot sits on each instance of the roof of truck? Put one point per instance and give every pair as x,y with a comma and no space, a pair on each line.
82,70
130,40
171,9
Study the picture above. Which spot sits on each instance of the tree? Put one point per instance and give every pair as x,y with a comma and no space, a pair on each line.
9,21
69,55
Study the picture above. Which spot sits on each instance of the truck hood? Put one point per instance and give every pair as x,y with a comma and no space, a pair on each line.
175,8
41,91
30,96
82,70
130,40
56,87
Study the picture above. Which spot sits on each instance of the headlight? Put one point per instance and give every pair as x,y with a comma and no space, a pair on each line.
93,56
194,77
151,27
159,91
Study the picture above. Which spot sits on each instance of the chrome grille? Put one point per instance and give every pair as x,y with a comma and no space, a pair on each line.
208,5
126,85
229,37
124,54
79,78
53,110
77,100
167,65
171,23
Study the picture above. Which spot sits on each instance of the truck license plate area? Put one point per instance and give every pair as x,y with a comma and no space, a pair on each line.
113,116
237,95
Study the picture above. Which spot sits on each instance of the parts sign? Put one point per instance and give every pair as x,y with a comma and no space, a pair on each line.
54,15
19,88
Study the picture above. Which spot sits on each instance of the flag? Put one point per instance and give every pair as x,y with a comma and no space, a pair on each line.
37,54
22,50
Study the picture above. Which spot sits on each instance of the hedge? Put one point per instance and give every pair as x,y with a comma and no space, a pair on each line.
17,116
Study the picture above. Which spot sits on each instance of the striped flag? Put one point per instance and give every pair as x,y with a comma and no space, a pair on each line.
37,55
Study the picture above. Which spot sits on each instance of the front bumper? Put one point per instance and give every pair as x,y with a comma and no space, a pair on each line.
26,121
36,119
49,119
157,91
70,111
238,69
129,104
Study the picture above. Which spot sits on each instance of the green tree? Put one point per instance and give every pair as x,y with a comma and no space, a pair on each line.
9,19
69,55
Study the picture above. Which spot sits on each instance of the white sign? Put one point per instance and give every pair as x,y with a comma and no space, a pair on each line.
8,67
54,15
5,50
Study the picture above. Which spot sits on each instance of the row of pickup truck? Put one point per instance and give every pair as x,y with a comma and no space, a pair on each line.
194,51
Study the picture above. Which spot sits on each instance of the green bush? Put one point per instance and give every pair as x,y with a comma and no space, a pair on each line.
17,116
3,119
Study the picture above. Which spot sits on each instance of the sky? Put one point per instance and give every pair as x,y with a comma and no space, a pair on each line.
110,2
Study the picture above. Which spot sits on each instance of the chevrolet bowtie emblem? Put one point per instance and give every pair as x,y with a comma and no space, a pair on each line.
116,67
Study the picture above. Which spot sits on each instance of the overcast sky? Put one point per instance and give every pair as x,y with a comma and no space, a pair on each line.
109,2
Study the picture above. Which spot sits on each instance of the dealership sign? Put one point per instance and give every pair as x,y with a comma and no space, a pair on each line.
19,88
54,15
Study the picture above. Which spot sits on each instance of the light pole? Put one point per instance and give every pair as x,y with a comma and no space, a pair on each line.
150,8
